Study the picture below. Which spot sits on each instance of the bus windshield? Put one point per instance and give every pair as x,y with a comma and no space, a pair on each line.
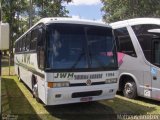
73,46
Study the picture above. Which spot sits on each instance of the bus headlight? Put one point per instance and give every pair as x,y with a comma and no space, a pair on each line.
58,84
112,80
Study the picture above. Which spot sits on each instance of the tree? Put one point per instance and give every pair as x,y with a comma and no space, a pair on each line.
11,10
16,13
116,10
49,8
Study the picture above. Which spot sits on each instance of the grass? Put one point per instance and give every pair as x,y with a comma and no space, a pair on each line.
5,64
139,106
18,100
14,100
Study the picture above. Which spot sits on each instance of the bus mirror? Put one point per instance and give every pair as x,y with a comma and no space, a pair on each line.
154,31
134,55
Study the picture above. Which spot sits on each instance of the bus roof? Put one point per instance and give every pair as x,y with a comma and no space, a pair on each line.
70,20
135,21
66,20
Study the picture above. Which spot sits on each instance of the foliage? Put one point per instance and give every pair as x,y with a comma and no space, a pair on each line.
48,8
124,9
17,13
51,8
11,10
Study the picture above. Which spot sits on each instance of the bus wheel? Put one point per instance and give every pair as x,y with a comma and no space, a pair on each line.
35,89
35,92
19,78
130,90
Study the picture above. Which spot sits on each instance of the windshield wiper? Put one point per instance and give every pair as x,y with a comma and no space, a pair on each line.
157,64
100,63
77,61
48,69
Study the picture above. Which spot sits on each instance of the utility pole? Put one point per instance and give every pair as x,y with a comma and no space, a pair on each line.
30,13
4,39
0,51
0,62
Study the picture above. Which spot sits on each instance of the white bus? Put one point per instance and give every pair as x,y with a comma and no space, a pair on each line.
138,42
64,60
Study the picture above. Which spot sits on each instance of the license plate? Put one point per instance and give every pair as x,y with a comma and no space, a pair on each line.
86,99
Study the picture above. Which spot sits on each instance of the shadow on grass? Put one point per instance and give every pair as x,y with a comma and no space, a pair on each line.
82,111
124,106
150,101
102,110
17,104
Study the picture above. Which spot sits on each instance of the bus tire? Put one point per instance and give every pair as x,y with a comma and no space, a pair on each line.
35,92
130,90
35,89
19,78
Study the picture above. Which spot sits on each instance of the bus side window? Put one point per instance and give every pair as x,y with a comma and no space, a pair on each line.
40,38
23,44
16,47
33,42
20,45
145,38
124,43
156,52
28,38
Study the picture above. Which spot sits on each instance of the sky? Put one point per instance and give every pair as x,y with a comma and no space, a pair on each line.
85,9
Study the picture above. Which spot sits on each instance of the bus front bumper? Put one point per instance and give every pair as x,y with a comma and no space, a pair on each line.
66,95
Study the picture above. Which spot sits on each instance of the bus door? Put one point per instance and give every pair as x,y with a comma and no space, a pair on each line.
41,59
155,68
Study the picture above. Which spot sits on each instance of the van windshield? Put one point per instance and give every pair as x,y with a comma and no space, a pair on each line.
73,46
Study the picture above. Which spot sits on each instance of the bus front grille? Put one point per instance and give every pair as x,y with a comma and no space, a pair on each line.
84,84
86,94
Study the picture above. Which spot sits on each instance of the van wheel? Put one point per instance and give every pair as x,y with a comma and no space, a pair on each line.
130,90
